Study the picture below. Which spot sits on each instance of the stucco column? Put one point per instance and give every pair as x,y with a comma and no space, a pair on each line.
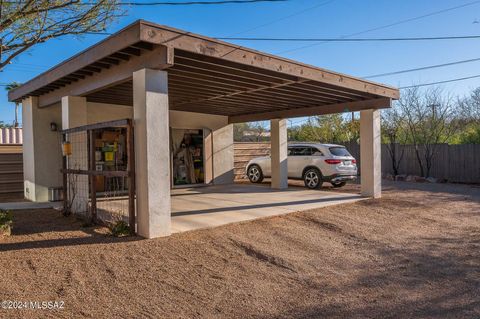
370,153
152,152
223,160
41,150
74,114
278,140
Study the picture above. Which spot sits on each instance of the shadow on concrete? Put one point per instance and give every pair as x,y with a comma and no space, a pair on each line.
265,205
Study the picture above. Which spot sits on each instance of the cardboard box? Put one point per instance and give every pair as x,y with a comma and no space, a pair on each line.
110,136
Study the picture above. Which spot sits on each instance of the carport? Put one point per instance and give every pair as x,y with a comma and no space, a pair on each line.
165,78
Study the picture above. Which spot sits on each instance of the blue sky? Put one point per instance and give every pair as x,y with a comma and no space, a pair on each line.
334,18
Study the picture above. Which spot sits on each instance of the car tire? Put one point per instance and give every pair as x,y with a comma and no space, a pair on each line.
255,174
312,178
339,184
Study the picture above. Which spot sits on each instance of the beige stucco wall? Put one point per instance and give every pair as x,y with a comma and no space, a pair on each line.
101,112
41,149
191,120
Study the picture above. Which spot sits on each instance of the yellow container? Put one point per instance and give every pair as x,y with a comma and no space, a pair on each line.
66,148
109,156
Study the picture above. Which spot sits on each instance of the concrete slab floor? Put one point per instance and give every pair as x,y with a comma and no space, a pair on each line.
203,207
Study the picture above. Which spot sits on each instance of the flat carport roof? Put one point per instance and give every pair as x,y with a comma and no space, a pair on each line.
206,76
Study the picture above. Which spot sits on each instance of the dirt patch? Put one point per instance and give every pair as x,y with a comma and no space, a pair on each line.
413,254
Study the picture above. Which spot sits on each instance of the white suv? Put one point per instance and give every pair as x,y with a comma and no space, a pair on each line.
314,163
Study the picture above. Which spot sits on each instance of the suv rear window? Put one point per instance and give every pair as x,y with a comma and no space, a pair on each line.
339,151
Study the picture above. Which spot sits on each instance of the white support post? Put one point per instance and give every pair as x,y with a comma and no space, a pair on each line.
279,165
223,160
41,150
152,152
370,153
74,114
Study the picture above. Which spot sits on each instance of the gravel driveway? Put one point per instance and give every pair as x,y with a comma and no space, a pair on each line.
415,253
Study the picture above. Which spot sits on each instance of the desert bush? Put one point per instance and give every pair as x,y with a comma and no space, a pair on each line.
120,228
6,220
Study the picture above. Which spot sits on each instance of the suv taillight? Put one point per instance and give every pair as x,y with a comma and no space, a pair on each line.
354,161
333,161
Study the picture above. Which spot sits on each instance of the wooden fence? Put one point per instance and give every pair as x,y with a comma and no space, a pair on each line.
244,152
11,168
455,163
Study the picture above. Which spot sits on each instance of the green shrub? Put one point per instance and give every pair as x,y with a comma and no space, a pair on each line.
120,229
6,220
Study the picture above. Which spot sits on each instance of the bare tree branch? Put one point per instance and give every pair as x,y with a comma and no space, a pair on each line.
27,23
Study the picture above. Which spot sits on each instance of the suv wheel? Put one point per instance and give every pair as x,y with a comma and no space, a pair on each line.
312,178
254,174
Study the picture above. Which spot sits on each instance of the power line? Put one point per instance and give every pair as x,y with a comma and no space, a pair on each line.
285,17
353,39
421,68
390,25
440,82
172,3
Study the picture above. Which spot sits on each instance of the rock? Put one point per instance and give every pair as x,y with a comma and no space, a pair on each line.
410,178
400,178
420,179
432,180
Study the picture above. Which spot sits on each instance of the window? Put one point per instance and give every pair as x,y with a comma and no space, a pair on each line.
316,152
300,151
339,151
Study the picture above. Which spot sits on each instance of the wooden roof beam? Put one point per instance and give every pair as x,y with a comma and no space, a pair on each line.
110,61
131,51
160,58
143,46
101,65
187,41
121,56
82,72
377,103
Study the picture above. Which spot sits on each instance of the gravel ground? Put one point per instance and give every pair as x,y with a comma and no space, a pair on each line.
415,253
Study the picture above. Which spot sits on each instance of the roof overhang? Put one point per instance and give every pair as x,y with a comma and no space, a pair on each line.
206,76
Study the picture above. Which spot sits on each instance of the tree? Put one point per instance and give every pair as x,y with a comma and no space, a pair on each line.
331,128
25,23
469,107
251,132
10,87
393,134
431,120
469,119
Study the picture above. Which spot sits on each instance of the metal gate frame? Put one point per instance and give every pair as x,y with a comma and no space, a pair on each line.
92,173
